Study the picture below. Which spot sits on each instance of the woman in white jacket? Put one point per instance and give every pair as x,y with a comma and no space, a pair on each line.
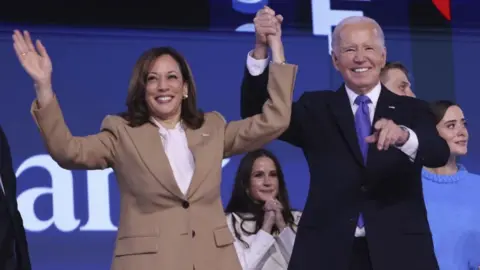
259,213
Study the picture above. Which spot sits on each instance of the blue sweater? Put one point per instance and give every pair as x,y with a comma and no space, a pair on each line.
453,206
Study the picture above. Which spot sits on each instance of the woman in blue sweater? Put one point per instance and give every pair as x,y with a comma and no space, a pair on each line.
451,196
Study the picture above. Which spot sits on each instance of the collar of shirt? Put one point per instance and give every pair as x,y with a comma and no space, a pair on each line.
163,131
374,94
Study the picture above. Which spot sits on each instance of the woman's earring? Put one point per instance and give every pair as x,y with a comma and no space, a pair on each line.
185,96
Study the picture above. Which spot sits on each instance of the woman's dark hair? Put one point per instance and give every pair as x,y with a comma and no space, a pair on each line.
242,204
439,108
137,112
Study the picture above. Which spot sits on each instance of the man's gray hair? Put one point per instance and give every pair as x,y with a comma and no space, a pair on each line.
354,20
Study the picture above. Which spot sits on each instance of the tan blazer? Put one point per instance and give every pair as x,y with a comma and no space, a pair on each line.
160,227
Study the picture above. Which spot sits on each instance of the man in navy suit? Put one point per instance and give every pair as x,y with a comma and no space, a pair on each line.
13,243
394,76
365,148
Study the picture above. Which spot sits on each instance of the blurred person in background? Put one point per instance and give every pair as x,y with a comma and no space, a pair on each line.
259,213
394,75
451,195
166,155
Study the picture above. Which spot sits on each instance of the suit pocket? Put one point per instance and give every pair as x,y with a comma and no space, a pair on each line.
136,245
223,236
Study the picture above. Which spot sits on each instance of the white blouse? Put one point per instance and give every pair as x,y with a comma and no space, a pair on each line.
265,251
179,155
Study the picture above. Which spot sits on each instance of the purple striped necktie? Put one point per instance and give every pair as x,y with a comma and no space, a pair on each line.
363,127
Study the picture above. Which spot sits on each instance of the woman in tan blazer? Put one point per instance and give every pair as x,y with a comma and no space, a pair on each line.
166,155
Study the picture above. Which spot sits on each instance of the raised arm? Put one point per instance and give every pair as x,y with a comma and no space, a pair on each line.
254,94
255,131
70,152
91,152
254,91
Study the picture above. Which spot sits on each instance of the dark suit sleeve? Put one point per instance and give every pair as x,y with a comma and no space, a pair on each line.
10,184
254,94
8,174
433,150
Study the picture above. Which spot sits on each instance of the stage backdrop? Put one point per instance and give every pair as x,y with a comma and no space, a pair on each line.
71,216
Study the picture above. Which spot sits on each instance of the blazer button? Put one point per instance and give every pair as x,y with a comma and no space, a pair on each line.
363,189
193,233
185,204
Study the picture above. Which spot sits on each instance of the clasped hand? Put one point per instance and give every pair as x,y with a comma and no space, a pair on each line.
387,134
273,216
268,26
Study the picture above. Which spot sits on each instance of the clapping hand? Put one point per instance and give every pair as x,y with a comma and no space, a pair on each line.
387,134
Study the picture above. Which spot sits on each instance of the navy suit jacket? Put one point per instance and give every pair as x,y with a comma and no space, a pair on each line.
9,182
387,190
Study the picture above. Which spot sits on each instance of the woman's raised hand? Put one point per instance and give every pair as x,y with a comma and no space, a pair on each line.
36,63
34,59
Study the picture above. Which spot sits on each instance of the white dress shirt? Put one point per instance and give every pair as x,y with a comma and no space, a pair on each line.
411,146
179,155
264,251
257,66
1,185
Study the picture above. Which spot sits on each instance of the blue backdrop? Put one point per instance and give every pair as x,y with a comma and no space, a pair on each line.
71,216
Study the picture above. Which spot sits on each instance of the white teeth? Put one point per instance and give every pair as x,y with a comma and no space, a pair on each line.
360,69
164,98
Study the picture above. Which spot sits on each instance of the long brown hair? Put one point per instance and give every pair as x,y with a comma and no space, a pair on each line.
243,205
137,112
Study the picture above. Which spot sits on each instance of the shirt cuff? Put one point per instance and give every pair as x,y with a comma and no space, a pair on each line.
265,238
287,237
260,245
256,66
410,147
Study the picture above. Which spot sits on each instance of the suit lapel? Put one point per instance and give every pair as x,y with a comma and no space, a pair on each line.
385,108
196,139
5,195
148,142
385,105
341,108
